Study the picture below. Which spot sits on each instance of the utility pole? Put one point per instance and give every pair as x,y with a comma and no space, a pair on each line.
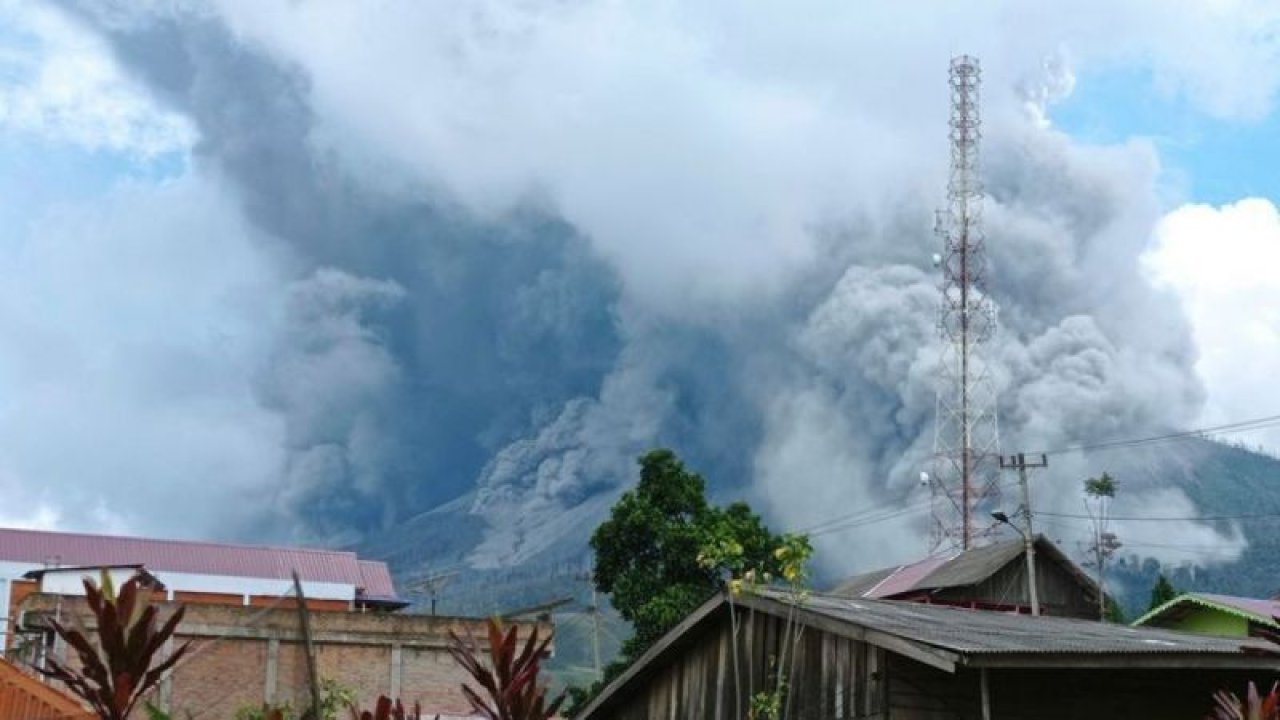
587,577
1019,462
309,646
595,631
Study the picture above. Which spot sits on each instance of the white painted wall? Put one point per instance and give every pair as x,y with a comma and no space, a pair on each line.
71,582
190,582
68,582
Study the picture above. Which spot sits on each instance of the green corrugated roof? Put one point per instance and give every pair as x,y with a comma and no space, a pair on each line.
1219,603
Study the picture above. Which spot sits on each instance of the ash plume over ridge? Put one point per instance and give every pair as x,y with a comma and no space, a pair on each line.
520,345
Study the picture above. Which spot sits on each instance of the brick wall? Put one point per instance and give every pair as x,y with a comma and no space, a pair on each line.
219,678
244,655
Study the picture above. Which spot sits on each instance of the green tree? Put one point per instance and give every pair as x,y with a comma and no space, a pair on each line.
1099,492
1113,613
1162,592
649,553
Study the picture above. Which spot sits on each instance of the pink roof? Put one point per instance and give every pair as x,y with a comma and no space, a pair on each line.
906,577
1263,608
375,580
41,548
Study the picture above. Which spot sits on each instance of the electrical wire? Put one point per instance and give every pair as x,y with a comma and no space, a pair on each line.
1261,423
1142,518
884,512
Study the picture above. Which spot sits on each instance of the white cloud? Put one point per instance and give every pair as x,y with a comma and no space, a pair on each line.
133,328
1222,263
60,82
699,144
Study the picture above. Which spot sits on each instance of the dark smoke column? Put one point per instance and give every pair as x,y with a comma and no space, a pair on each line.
967,438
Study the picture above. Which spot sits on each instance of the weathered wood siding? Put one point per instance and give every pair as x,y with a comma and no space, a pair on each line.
1060,593
829,676
832,677
919,692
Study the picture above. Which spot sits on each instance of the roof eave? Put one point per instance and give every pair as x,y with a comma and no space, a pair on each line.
1152,660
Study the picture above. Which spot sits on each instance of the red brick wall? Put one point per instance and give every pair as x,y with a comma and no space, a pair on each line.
291,604
228,665
218,678
189,597
432,678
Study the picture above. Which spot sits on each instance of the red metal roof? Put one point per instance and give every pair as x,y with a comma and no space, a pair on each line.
907,577
40,548
375,580
1268,609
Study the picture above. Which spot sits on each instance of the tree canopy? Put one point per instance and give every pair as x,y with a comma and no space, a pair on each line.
1162,592
649,554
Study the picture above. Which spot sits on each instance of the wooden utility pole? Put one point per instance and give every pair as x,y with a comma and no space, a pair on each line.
595,631
1019,462
305,617
589,579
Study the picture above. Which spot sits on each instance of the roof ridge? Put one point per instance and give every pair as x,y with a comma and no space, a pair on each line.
883,580
207,543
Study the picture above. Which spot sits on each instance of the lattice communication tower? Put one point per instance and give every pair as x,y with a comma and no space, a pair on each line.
967,439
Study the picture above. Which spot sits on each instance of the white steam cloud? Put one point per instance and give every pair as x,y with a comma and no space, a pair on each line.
517,243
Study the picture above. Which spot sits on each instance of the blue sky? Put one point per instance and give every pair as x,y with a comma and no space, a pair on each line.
1205,159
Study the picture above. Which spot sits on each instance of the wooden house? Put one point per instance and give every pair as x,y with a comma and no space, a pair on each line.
858,658
993,577
1223,615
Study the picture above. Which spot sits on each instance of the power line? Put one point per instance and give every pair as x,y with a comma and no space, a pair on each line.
1184,548
1261,423
873,515
1144,518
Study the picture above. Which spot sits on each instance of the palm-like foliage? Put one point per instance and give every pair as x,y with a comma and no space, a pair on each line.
385,709
510,689
1254,707
117,659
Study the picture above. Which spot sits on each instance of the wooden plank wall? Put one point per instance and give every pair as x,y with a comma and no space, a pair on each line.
837,678
831,677
24,697
1060,592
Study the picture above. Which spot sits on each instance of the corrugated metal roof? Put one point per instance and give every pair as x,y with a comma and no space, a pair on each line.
973,566
1266,612
938,572
375,580
982,632
40,547
24,697
909,577
862,585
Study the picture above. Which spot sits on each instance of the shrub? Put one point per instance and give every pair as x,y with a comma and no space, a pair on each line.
512,685
117,666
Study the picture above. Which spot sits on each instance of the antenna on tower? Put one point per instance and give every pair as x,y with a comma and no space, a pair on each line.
966,433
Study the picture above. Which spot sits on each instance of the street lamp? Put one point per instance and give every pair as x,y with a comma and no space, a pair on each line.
1029,549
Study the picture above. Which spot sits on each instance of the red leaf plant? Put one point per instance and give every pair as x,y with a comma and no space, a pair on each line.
510,689
117,667
1254,707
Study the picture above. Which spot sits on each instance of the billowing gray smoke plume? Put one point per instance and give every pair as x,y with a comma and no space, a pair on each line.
505,295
